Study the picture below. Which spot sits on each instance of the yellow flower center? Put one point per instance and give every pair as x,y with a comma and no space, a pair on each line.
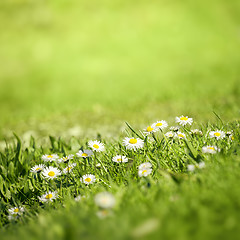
133,141
50,156
149,129
69,168
49,196
180,135
170,135
183,118
144,171
217,134
95,146
84,155
119,159
51,174
212,148
16,210
159,124
88,179
104,212
37,169
232,138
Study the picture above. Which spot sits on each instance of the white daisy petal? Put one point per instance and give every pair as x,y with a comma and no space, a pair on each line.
174,128
196,132
66,159
201,165
170,134
160,124
37,168
184,120
16,211
51,172
210,149
85,153
145,165
148,130
120,159
217,134
96,146
69,168
180,135
144,172
133,143
190,167
50,157
48,197
88,179
105,200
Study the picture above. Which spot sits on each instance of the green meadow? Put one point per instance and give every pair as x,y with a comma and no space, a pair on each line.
75,71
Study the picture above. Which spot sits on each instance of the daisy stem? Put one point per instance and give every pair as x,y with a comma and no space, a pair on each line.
154,137
145,141
95,162
85,164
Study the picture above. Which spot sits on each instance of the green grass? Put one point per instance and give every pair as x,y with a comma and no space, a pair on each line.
77,70
169,203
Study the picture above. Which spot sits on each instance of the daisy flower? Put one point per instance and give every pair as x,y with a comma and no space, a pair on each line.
16,211
79,198
120,158
13,217
98,165
170,134
103,213
144,172
105,200
180,135
174,128
50,157
51,172
217,134
85,153
183,120
88,179
48,197
145,165
133,143
69,168
66,159
96,146
196,132
150,129
210,149
230,135
160,124
201,165
37,168
190,167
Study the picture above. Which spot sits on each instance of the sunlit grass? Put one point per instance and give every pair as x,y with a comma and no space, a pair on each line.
170,188
75,71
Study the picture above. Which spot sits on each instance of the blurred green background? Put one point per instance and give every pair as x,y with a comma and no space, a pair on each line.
86,64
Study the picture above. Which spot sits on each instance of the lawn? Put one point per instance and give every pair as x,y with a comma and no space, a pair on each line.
77,71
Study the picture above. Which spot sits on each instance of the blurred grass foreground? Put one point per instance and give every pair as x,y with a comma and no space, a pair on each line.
93,63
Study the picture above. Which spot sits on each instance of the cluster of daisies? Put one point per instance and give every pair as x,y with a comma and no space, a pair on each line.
105,201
